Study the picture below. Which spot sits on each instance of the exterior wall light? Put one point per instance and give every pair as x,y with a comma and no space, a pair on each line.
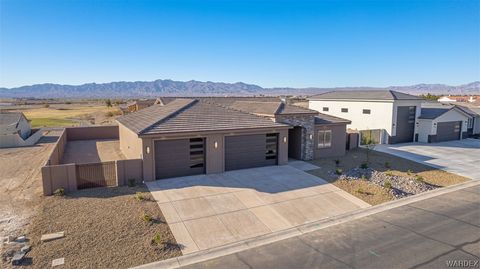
284,139
148,150
215,145
311,136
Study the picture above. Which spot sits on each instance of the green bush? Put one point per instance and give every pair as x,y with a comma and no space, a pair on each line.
364,165
409,172
419,178
59,192
363,177
389,173
139,196
387,165
361,191
157,239
338,171
46,105
146,217
387,185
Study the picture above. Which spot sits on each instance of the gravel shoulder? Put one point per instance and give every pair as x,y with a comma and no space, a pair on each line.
384,178
104,228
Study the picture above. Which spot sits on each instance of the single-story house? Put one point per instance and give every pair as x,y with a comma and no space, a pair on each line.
386,116
15,130
140,104
442,124
211,135
473,124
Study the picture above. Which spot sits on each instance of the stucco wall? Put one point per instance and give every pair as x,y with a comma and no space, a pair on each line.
380,117
130,143
424,130
339,140
92,132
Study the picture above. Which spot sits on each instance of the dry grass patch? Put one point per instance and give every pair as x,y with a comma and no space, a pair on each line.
382,162
104,228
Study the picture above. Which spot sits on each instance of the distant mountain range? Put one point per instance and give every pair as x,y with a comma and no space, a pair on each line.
145,89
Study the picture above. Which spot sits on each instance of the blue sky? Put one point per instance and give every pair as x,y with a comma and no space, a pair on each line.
269,43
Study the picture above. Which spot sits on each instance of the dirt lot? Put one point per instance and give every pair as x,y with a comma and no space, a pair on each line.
369,192
20,183
63,115
103,229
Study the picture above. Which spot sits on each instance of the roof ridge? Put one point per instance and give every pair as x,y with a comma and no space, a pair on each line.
172,114
280,107
234,109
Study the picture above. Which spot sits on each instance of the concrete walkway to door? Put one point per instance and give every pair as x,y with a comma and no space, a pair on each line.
208,211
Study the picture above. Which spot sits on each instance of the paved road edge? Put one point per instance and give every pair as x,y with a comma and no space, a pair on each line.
208,254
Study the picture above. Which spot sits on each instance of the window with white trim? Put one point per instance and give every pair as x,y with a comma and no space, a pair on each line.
324,139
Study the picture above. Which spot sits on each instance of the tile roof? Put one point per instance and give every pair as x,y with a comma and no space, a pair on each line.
365,95
328,119
189,115
141,120
9,118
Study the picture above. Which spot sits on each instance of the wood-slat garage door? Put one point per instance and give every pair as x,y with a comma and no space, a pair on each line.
248,151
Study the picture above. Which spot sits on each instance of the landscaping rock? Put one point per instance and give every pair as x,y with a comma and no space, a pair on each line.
18,258
21,239
58,262
400,186
52,236
25,248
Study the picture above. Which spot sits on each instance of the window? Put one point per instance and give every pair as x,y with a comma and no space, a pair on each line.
325,109
197,156
470,123
366,111
324,139
344,110
271,148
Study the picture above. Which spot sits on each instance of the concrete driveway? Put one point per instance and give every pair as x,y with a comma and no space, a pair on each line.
461,157
208,211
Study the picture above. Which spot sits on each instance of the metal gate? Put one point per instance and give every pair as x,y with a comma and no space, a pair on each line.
93,175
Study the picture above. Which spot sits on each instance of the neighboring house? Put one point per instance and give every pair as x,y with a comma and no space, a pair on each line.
15,130
140,104
387,116
458,98
442,124
212,135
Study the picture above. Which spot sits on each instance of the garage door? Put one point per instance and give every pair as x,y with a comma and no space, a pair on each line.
183,157
248,151
405,124
448,130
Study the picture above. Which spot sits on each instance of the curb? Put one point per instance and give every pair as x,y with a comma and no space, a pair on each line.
220,251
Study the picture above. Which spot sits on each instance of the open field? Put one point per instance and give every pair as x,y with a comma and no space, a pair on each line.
382,162
104,228
62,115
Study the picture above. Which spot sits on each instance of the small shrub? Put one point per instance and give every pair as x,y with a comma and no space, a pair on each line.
360,190
147,218
337,162
59,192
139,196
109,114
157,239
419,178
338,171
364,165
389,173
387,165
68,103
46,105
387,185
363,177
409,172
131,182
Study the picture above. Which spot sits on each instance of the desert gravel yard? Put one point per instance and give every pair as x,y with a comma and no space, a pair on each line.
104,228
383,178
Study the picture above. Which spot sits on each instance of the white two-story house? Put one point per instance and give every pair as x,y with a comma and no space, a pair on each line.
387,116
